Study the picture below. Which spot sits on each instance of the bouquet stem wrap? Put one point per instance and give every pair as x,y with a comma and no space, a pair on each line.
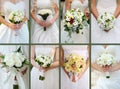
11,79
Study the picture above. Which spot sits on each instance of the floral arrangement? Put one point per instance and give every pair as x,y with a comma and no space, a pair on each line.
74,63
14,60
43,61
106,21
75,21
16,17
106,59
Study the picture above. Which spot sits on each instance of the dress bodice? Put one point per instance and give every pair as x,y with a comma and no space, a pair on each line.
46,50
8,49
78,4
44,4
106,5
98,50
9,7
81,50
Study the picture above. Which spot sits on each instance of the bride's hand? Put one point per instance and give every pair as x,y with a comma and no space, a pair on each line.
18,26
87,13
42,68
106,68
41,23
12,26
24,71
48,23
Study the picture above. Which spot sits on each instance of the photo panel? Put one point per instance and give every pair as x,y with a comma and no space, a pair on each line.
45,21
105,66
14,22
14,67
105,20
45,67
75,21
75,67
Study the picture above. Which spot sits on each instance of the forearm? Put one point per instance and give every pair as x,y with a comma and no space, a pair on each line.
2,20
96,67
24,20
55,16
68,4
34,16
117,11
54,65
94,9
115,67
34,63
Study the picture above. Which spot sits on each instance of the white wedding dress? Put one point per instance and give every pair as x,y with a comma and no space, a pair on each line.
7,35
51,76
76,38
98,79
83,82
51,35
100,36
4,74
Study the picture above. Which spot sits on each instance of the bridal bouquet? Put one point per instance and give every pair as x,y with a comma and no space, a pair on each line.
75,21
44,13
44,61
74,63
14,63
16,17
106,21
106,59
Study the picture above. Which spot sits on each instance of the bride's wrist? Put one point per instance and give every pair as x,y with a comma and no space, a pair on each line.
53,20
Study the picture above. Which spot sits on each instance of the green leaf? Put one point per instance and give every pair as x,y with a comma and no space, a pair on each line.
41,78
27,62
19,50
2,56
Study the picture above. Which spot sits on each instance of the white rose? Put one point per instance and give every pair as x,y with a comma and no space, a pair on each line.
21,57
18,62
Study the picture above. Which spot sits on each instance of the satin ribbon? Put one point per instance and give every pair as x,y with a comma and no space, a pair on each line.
10,80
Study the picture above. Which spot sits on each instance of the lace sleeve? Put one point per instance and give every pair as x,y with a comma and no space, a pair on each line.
33,5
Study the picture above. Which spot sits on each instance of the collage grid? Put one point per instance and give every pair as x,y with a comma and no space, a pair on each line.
60,44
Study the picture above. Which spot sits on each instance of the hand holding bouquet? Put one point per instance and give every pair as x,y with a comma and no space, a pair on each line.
106,21
74,64
43,61
106,59
75,21
44,13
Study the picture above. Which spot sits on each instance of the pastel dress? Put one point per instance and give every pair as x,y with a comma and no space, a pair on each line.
8,35
51,76
51,35
83,36
98,79
83,82
97,34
